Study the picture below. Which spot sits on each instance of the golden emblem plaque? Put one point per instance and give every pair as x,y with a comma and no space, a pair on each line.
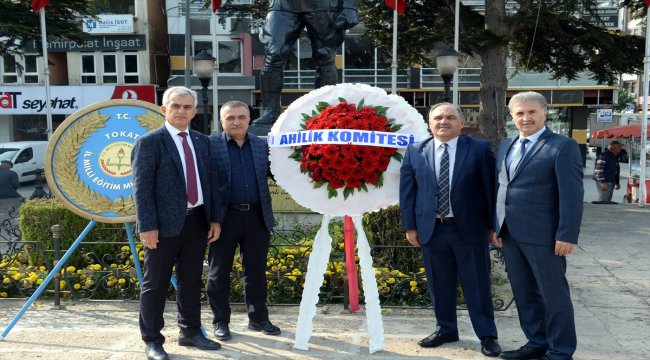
88,158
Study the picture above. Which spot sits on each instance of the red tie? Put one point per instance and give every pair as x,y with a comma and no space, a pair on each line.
192,191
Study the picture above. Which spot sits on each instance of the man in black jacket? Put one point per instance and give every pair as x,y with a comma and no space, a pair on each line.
606,172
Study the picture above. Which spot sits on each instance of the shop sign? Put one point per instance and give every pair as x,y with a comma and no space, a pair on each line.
30,100
92,43
108,24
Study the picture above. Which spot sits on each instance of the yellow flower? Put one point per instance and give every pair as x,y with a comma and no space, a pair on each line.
17,276
6,280
89,282
39,281
113,265
62,284
77,286
125,248
4,294
291,277
391,280
71,269
122,281
96,267
413,283
415,290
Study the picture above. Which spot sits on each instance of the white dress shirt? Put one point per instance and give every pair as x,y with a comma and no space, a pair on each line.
515,147
178,140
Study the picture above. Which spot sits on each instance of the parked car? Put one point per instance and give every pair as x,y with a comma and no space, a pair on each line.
27,157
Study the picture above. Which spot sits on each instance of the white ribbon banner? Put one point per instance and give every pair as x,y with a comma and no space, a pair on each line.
342,137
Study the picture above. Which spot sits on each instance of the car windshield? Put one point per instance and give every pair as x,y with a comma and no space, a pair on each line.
7,153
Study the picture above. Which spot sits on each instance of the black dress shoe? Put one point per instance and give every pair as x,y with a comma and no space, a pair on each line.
264,326
221,331
544,358
490,346
437,339
198,341
523,353
155,351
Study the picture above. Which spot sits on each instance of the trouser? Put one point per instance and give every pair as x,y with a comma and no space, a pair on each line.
605,195
185,251
247,230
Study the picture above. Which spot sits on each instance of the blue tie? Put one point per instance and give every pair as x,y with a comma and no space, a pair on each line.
443,184
517,157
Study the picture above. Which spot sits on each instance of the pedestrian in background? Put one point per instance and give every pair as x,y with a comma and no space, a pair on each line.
9,197
447,204
245,212
607,173
539,210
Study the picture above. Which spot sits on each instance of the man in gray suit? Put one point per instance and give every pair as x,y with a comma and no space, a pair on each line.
242,163
173,178
539,210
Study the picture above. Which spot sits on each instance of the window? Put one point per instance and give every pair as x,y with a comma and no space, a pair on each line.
131,69
19,70
230,58
30,74
25,156
9,70
88,74
114,6
109,75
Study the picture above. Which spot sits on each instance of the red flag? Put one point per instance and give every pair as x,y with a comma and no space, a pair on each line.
217,3
39,4
401,5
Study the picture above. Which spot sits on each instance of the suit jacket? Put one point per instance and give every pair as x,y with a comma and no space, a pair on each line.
260,150
471,192
159,182
542,202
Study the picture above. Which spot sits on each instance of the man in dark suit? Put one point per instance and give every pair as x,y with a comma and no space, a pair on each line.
539,210
447,200
173,178
245,211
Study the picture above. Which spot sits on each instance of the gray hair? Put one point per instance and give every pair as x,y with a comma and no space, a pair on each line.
528,96
435,106
175,91
234,104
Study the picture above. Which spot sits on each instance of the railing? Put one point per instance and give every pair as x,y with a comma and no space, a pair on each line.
97,274
304,79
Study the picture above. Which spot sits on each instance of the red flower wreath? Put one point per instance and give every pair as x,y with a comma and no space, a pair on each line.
349,167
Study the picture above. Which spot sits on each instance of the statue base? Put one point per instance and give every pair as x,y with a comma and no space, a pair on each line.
260,129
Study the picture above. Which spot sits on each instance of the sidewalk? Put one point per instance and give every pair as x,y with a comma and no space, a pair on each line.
609,273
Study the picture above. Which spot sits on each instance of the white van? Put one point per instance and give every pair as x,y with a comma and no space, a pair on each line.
27,157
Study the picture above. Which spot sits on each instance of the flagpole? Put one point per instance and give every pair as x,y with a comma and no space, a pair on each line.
46,74
456,46
216,124
644,120
394,63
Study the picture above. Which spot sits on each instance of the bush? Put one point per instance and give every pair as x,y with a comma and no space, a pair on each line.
36,219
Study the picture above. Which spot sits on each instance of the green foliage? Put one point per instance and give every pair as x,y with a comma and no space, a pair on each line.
36,219
624,98
21,25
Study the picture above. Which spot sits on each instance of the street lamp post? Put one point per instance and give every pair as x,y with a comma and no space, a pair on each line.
203,68
447,63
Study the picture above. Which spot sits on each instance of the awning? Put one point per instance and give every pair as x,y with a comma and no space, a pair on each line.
623,131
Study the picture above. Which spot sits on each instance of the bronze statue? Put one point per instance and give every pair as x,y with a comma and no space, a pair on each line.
326,22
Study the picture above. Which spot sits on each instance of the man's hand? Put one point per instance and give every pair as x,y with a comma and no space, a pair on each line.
347,19
149,239
617,186
412,237
603,186
214,233
494,239
563,248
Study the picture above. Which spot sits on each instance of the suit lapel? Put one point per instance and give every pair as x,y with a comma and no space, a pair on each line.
199,150
429,157
532,151
461,153
223,150
170,145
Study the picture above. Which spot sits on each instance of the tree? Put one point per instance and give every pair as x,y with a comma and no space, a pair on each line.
542,36
23,25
